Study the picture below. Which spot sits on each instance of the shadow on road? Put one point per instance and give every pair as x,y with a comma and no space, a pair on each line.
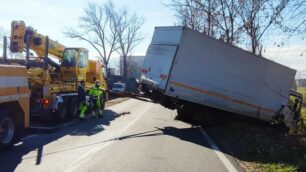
9,159
192,134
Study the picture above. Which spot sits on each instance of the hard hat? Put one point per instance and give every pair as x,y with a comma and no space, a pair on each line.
97,84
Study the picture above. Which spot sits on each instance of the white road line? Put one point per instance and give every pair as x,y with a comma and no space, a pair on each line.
76,164
228,165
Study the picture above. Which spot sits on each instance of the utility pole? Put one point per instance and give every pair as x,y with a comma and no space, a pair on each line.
5,49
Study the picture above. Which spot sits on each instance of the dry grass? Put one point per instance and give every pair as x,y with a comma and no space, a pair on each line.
264,147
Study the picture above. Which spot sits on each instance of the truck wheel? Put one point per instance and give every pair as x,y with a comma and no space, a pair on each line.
74,107
166,102
183,113
62,112
213,117
8,130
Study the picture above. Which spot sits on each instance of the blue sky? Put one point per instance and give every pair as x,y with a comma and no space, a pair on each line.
50,17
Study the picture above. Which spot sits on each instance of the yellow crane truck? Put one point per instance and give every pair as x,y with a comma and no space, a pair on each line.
45,85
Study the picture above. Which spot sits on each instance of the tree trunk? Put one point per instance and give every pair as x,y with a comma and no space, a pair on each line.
124,67
107,74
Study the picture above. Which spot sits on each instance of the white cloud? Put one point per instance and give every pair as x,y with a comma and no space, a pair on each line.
292,56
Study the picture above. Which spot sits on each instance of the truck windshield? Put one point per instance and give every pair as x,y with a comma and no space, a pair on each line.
83,59
69,58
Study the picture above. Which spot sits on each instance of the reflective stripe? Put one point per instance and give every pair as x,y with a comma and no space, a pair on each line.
13,81
95,91
222,96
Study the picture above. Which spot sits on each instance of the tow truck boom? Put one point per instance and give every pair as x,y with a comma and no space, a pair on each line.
20,35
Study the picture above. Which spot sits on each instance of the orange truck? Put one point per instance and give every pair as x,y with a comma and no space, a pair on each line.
14,103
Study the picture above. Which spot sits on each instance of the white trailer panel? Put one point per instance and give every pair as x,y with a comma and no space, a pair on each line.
158,64
212,73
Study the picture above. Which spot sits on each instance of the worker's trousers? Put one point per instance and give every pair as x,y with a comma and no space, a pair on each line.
83,108
97,106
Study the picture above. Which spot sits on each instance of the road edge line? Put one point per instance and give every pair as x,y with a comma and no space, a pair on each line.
226,162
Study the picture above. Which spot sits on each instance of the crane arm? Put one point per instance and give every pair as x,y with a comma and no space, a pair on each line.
20,34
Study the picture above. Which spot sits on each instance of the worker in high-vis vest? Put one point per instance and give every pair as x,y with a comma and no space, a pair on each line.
96,94
82,100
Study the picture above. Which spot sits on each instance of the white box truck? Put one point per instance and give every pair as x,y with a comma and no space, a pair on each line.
184,69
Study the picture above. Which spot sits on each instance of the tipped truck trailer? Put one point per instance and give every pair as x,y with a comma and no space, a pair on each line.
184,69
14,103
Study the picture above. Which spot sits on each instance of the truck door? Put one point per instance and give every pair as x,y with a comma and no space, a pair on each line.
157,64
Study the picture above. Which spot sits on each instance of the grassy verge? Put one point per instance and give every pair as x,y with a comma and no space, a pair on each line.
302,90
262,147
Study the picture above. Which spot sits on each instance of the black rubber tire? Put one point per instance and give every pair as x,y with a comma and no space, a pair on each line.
7,138
62,112
183,113
74,107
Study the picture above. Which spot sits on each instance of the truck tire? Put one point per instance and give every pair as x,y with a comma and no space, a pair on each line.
183,113
74,107
167,103
8,130
62,112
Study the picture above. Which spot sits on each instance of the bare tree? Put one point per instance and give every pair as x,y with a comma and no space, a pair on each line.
234,21
258,16
127,26
228,22
96,28
217,18
295,22
108,29
133,67
196,14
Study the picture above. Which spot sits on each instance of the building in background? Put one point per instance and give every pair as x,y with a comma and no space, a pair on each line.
300,78
111,71
301,82
115,72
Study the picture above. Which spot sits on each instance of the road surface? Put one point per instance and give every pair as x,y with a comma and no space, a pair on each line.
133,136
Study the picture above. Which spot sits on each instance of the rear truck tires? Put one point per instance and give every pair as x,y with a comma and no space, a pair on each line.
74,107
62,112
167,103
8,130
184,113
200,115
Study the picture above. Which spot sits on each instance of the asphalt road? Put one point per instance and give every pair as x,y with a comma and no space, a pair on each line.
145,139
